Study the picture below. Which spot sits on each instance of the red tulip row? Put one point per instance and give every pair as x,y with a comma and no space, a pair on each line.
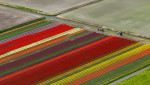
6,47
66,61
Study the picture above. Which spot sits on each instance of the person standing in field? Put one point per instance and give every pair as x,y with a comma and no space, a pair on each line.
120,33
101,29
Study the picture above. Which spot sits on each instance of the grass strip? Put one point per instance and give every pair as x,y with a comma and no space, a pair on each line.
141,79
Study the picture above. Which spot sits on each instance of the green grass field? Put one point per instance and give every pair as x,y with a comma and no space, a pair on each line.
125,15
140,79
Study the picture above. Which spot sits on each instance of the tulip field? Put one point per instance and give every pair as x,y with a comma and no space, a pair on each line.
53,53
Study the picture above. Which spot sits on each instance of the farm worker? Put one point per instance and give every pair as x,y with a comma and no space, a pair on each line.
101,29
120,33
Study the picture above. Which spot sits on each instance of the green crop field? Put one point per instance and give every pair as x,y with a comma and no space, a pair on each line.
125,15
139,79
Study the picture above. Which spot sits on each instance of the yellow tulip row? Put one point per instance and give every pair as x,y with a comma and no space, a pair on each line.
40,42
101,65
89,64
